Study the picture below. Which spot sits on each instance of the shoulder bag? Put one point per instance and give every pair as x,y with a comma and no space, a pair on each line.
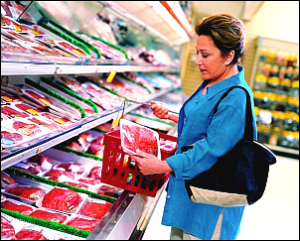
239,178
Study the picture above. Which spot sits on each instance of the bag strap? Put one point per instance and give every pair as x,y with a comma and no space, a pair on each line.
248,126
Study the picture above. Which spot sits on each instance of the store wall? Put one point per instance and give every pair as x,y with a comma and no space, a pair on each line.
274,19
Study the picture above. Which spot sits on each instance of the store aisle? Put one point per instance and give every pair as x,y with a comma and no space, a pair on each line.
274,217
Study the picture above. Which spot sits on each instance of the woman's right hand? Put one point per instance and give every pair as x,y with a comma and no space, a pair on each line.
160,110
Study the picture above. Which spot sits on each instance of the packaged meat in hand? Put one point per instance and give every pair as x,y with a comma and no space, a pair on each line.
49,215
26,192
6,180
29,234
95,209
7,230
134,136
62,199
73,167
13,205
83,223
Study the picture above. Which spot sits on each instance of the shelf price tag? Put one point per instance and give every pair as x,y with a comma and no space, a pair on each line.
111,76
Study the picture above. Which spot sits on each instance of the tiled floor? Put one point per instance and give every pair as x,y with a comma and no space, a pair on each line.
274,217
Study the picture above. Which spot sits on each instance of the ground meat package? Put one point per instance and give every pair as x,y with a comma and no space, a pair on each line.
134,136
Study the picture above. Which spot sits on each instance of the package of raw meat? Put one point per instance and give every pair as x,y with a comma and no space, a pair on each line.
28,109
7,180
27,128
11,138
57,119
102,97
7,230
134,136
73,167
43,122
45,162
95,173
46,214
30,193
82,222
17,206
95,208
11,89
3,198
78,184
69,82
30,167
9,98
59,175
12,112
29,234
110,191
36,97
167,145
90,181
62,199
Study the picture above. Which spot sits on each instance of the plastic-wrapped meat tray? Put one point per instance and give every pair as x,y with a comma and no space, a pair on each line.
95,208
63,200
7,180
46,214
82,222
11,138
17,206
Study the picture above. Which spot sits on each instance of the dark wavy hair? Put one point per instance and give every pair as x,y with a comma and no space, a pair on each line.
226,31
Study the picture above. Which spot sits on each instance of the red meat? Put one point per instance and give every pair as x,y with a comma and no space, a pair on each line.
37,97
55,174
6,180
2,197
55,118
45,162
32,168
136,137
89,181
26,129
64,200
50,125
80,185
107,190
12,112
29,234
84,224
21,208
50,216
95,173
28,109
8,98
95,210
7,230
73,167
11,137
30,193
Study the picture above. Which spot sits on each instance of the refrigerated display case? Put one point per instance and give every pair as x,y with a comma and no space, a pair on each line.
126,218
275,84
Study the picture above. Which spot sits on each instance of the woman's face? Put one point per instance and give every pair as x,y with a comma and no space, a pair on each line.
209,59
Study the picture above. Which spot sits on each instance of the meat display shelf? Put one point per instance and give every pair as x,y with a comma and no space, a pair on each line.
41,69
18,156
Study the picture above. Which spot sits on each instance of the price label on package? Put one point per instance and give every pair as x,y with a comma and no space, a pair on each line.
111,76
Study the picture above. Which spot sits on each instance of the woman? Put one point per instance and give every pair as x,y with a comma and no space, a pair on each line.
220,45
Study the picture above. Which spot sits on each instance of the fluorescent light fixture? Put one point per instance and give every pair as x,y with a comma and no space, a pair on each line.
164,13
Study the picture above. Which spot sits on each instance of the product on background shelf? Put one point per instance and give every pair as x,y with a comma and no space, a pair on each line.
73,167
32,168
7,230
16,206
59,175
6,180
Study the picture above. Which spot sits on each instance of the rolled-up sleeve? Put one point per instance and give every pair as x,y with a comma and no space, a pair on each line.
226,129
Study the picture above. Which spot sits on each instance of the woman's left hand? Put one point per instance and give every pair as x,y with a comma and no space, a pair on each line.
150,164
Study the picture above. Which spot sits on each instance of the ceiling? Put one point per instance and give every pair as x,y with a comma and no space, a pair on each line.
244,10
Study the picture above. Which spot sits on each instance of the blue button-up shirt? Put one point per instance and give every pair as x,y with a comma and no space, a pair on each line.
212,138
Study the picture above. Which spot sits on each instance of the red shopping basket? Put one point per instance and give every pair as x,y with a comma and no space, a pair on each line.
120,171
